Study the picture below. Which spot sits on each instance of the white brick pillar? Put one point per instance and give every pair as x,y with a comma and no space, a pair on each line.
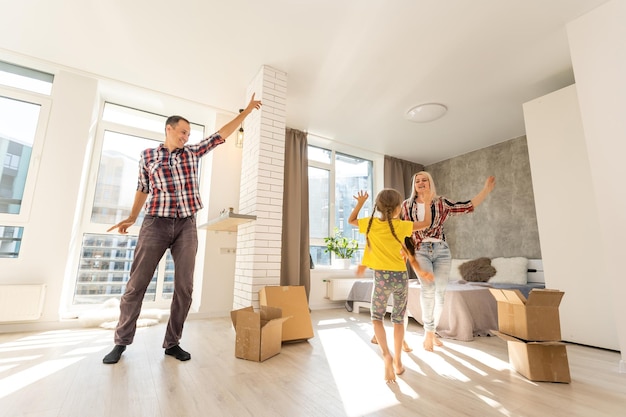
261,189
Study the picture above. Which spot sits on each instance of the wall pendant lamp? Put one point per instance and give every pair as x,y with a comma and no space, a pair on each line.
239,141
426,112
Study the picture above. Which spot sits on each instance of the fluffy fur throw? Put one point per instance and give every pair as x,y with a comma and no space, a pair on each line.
477,270
107,315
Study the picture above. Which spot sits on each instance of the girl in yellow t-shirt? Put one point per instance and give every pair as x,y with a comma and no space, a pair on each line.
385,254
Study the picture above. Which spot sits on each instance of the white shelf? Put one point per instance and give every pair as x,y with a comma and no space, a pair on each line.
227,222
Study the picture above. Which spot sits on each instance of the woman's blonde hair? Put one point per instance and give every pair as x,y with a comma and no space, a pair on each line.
430,180
387,202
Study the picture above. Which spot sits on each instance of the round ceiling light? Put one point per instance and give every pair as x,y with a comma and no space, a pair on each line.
426,112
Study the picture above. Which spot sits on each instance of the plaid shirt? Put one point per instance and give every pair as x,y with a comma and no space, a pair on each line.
171,179
441,208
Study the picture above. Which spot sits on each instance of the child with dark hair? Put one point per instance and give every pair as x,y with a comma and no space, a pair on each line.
385,254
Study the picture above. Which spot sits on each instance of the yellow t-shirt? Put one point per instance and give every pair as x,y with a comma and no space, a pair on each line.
384,251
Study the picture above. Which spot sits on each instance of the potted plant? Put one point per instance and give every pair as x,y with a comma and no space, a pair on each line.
342,249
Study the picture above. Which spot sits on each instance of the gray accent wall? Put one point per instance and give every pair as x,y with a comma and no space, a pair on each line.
505,224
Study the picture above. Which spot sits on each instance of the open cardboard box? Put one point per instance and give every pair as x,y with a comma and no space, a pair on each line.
538,361
534,319
258,334
293,302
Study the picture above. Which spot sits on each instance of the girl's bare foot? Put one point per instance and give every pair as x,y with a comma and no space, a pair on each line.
398,368
406,347
390,375
437,341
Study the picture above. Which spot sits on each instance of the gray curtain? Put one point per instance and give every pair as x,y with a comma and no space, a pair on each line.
295,257
398,174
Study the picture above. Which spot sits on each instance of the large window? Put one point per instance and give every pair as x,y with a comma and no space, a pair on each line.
105,259
334,178
18,125
24,110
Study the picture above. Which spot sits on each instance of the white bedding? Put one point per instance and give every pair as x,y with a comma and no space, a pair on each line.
469,309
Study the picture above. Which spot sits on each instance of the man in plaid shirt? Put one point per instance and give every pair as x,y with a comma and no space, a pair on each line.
168,190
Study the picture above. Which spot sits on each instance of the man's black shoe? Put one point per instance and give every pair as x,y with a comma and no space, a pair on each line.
178,353
114,355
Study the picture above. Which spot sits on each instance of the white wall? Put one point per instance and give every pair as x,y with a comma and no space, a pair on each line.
567,217
215,292
576,146
598,49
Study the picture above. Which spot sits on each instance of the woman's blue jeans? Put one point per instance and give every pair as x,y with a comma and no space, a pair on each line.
436,258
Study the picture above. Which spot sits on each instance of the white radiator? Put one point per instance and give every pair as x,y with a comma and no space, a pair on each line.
339,288
21,302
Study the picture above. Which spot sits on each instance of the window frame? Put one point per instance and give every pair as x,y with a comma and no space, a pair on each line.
337,147
89,227
45,103
94,166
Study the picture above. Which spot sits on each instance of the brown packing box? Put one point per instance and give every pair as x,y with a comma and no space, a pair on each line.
258,335
536,319
293,302
538,361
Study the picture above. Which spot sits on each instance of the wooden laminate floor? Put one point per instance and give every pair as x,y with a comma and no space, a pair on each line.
336,373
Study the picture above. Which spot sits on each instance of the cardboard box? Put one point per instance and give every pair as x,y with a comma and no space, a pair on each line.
293,302
536,319
538,361
258,335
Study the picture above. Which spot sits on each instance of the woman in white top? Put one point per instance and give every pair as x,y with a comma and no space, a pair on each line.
431,249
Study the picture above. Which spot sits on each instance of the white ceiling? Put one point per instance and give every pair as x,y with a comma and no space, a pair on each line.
354,67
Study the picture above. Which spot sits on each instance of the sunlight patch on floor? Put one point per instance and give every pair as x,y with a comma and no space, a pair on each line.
57,338
480,356
7,367
330,322
63,334
33,374
492,403
37,370
358,371
86,350
19,358
439,365
467,364
443,359
40,346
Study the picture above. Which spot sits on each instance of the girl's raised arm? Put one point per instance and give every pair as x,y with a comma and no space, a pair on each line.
360,198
